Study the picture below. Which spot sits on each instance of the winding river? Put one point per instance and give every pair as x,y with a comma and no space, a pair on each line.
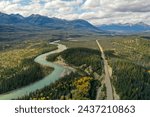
57,73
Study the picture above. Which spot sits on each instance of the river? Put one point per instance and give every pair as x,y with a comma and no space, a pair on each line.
58,71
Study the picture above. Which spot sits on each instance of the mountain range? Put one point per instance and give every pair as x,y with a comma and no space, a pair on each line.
39,21
126,28
16,26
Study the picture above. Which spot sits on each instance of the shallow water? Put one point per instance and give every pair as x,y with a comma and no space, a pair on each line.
52,77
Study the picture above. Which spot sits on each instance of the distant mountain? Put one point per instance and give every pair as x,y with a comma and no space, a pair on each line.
15,26
126,28
10,19
46,22
39,20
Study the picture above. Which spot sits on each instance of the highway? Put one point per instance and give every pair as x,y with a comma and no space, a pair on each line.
109,92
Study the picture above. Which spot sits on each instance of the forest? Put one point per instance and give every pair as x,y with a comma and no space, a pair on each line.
17,66
69,87
32,72
129,59
131,81
81,56
75,86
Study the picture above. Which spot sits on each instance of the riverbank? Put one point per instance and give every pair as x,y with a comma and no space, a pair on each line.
55,75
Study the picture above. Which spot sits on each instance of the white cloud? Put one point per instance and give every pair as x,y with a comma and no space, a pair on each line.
90,5
117,11
68,16
95,11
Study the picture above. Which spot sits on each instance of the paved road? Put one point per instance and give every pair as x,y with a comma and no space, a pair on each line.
109,91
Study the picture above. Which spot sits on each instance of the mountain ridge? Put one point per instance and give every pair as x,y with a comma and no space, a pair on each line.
126,28
35,26
44,21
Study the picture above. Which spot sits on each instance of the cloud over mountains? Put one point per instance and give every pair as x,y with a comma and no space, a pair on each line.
95,11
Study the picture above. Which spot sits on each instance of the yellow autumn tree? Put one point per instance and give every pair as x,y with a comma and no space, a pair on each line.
82,86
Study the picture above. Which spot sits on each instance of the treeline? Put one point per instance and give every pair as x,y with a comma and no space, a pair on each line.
52,57
131,81
48,48
75,86
81,56
72,86
30,73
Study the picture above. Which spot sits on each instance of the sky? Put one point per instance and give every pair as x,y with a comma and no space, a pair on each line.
96,12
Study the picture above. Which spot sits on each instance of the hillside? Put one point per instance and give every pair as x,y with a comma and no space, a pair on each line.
15,26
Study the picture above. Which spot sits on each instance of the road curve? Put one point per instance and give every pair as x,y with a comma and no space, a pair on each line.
109,91
57,73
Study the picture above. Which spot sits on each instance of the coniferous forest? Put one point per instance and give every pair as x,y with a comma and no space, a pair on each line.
17,66
131,81
32,72
129,64
77,85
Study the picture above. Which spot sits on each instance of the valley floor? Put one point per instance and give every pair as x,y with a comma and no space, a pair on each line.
120,70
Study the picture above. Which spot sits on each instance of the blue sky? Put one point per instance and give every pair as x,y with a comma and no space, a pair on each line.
95,11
